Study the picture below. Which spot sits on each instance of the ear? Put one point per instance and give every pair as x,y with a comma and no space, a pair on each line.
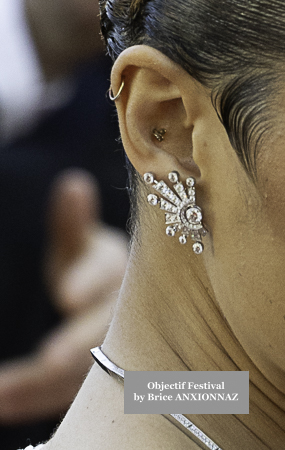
159,94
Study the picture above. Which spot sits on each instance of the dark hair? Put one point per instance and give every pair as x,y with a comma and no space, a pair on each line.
233,47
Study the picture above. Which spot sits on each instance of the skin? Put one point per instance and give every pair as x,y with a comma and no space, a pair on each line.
223,310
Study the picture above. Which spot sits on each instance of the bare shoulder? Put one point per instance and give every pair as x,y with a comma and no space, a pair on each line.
96,420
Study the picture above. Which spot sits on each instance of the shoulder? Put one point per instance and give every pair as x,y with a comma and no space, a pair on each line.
97,420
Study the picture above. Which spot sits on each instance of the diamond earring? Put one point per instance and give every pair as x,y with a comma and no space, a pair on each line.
181,212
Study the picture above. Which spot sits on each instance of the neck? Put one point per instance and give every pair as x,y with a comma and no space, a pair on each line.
158,328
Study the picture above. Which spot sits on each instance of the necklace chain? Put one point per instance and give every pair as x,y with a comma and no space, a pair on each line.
179,420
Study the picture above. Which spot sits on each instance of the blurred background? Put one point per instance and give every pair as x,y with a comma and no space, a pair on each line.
63,207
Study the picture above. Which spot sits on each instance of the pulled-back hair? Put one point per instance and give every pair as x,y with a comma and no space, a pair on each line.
234,47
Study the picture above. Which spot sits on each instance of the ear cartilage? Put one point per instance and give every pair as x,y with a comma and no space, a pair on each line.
179,204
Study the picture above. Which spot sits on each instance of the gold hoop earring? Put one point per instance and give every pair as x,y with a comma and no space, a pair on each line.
115,97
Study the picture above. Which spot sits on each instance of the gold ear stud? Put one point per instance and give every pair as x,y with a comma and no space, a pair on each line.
159,134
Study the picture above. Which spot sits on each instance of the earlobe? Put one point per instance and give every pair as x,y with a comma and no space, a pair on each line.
157,111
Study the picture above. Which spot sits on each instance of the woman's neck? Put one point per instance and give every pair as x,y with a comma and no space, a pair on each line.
168,319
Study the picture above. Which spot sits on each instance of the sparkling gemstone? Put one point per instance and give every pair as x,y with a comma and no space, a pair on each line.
173,177
204,232
172,218
194,215
198,248
166,206
181,191
167,193
148,178
183,240
190,181
161,187
152,199
179,187
170,231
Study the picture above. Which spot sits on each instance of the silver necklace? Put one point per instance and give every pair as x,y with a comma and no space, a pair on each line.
179,420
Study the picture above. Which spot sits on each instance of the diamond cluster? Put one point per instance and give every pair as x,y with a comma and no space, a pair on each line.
186,423
181,213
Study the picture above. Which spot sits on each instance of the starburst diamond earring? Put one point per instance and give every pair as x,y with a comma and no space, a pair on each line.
181,212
